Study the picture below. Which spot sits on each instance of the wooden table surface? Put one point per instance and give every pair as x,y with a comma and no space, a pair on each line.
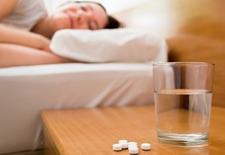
93,131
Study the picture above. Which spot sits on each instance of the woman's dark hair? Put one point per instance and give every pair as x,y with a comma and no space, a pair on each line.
112,23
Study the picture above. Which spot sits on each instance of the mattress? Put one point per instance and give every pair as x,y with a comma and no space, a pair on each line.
26,91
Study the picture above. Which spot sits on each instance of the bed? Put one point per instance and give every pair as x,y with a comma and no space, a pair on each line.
26,91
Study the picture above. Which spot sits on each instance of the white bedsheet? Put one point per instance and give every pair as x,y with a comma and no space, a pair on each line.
26,91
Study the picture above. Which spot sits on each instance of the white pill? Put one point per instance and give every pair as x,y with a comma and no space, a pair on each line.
124,143
132,144
146,146
117,147
133,150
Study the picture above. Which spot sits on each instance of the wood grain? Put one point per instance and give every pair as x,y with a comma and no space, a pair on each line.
195,48
93,131
204,18
200,36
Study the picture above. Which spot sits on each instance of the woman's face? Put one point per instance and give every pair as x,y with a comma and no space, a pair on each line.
79,16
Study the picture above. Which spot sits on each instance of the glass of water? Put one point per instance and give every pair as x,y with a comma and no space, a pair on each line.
183,97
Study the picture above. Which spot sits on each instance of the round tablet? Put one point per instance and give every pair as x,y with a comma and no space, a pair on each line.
133,150
146,146
132,145
124,143
117,147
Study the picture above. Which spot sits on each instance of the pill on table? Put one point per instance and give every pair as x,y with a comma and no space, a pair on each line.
117,147
132,144
124,143
133,150
146,146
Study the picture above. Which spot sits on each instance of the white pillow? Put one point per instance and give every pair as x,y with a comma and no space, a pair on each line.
117,45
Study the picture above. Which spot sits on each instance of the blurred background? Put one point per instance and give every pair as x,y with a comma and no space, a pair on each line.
166,17
194,30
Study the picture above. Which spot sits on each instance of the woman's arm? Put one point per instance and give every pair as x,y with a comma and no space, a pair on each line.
17,55
21,37
16,36
19,47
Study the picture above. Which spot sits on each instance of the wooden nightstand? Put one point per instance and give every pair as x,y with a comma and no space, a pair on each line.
93,131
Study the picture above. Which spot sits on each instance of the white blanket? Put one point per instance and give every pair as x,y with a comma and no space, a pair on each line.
118,45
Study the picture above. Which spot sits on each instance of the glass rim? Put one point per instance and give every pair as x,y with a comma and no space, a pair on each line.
183,63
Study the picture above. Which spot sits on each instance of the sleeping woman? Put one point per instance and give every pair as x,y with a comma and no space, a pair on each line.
26,28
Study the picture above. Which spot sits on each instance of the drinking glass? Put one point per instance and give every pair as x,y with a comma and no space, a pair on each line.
183,97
